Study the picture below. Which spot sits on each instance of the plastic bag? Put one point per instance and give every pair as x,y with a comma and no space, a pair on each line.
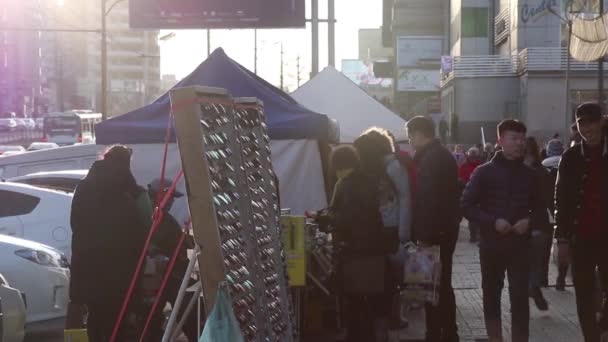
421,274
221,325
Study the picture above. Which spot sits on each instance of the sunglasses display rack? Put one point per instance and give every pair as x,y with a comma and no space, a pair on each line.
263,189
233,202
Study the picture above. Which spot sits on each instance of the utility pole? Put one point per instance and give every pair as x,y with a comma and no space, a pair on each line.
208,42
255,51
298,66
104,63
315,37
104,56
600,68
568,109
331,32
282,67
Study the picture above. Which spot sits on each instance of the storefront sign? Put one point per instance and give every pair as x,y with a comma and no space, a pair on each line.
411,50
293,232
533,12
418,80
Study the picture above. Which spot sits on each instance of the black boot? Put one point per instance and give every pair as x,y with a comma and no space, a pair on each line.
560,284
540,301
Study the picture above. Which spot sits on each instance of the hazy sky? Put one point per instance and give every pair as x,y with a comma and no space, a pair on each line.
183,53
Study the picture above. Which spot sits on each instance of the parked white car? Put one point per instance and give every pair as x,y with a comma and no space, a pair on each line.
37,146
41,273
56,180
12,313
36,214
11,149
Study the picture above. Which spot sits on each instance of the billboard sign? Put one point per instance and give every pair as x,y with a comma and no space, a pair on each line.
411,50
362,73
216,14
418,80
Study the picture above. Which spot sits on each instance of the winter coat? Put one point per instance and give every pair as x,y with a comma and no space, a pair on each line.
436,212
503,189
357,219
466,170
569,189
108,234
547,186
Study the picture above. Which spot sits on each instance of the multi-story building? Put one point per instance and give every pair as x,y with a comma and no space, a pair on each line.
48,70
508,59
417,30
133,62
22,83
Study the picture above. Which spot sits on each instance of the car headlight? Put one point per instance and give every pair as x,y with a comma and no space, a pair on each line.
43,258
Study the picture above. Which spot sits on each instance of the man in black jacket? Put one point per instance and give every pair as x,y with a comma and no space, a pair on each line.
504,198
436,219
582,214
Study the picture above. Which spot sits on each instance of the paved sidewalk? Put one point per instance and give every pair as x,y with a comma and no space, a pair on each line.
559,324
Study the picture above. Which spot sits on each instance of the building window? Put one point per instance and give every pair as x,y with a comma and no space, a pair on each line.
474,22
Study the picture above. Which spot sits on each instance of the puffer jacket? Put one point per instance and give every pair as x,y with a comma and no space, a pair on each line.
569,189
503,189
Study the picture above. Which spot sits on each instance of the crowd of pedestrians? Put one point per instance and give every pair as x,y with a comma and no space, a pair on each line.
517,197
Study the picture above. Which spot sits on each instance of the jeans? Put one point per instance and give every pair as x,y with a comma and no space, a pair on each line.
495,262
441,319
539,261
587,255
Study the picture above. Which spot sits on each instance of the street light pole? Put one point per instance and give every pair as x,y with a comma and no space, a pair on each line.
104,63
600,67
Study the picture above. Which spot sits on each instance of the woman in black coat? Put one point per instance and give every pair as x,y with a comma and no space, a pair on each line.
108,234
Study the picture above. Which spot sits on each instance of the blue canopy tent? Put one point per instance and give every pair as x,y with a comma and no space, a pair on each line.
286,119
294,130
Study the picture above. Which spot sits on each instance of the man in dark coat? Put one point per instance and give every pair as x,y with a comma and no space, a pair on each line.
165,241
108,234
504,198
582,215
436,219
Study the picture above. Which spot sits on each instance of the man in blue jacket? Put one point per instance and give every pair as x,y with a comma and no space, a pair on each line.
504,199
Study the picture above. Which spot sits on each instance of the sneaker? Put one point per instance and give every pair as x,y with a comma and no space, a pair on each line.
539,299
560,284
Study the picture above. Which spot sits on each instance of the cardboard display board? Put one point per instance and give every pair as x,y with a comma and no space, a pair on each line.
233,200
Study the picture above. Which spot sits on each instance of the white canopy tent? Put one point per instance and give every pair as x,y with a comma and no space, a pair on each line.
333,94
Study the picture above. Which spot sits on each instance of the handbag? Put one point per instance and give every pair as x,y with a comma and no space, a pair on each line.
421,274
221,325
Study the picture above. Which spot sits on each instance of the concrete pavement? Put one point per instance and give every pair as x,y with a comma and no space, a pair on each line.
559,324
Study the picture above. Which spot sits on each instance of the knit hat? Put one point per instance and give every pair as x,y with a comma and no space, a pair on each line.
555,148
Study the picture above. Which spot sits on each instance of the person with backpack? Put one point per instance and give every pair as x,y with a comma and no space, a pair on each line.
377,158
436,219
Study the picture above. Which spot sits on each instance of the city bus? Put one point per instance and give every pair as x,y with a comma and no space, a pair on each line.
71,127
